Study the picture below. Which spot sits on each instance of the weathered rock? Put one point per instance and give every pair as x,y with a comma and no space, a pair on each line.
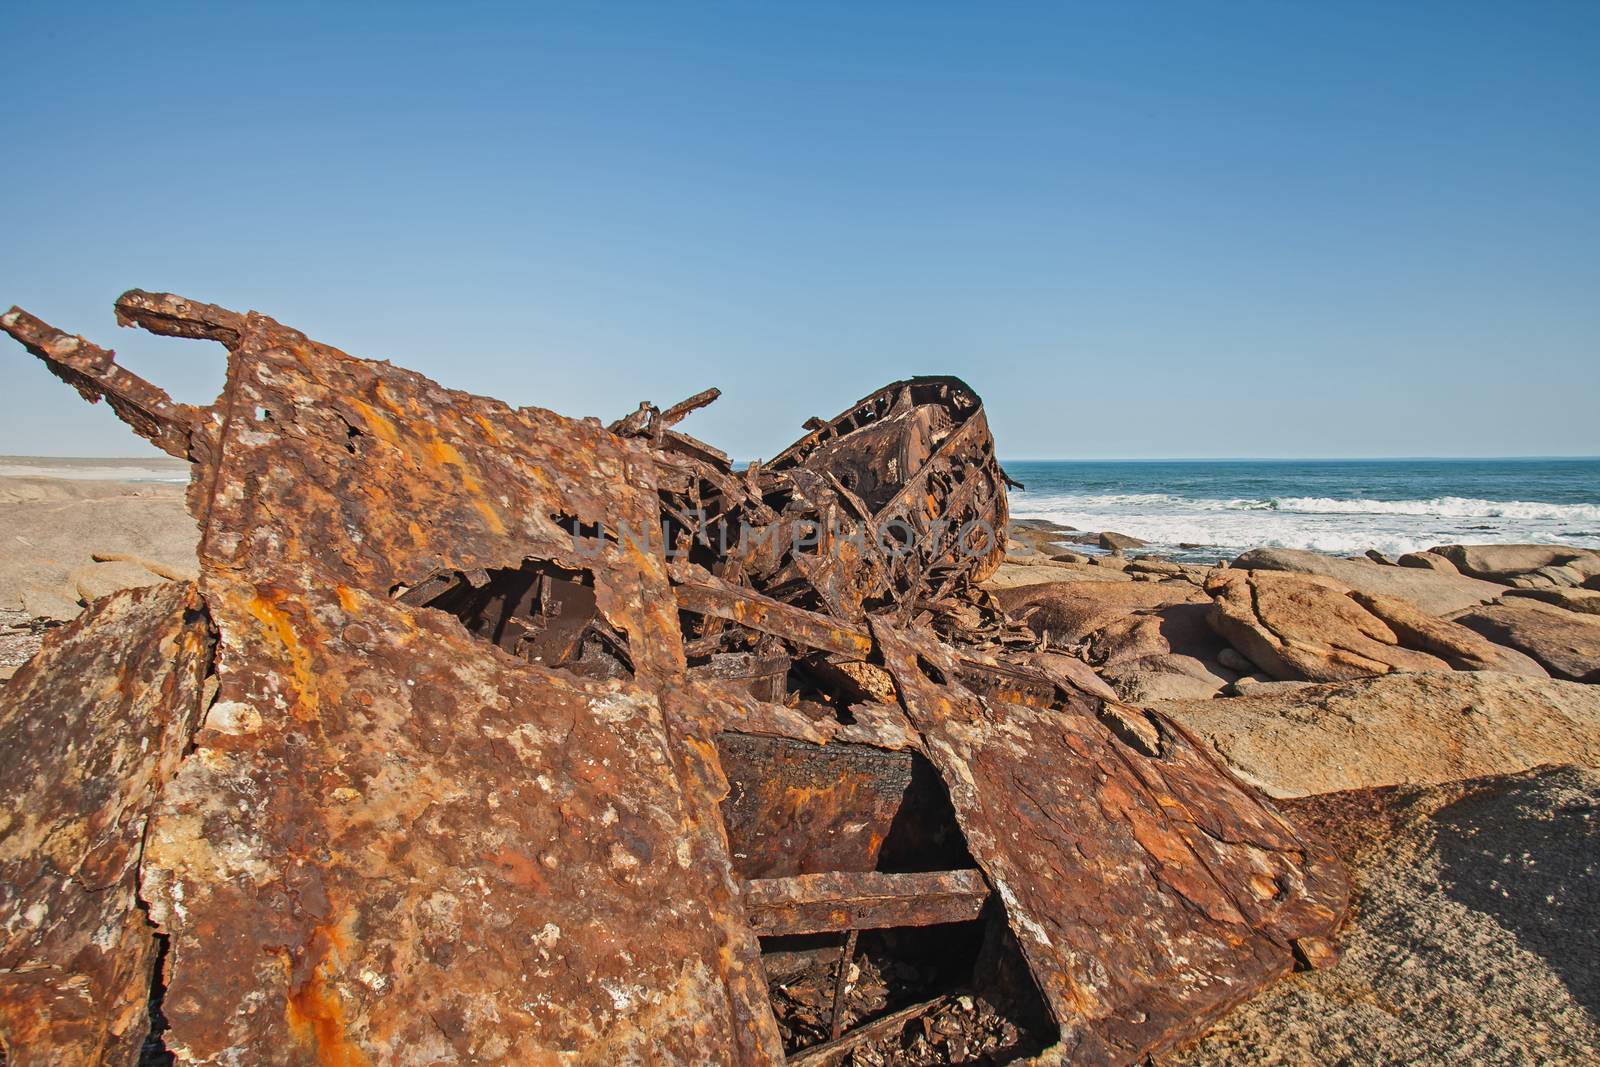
1379,558
1230,658
1150,638
1473,939
95,580
46,525
1152,565
1029,549
1040,537
1428,561
1433,592
173,572
1179,628
1502,563
1260,684
1043,526
1305,627
1565,643
50,604
1583,601
1456,645
1069,557
1110,539
1563,577
1401,729
1071,611
20,638
1014,576
1167,677
1552,577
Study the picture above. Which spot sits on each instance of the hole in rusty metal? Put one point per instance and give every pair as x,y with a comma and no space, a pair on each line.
539,612
854,837
924,834
964,985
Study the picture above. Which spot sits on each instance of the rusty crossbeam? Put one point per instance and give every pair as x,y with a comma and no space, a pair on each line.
862,900
701,592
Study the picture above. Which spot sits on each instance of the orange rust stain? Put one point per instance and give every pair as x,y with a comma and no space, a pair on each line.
704,749
518,869
381,424
444,454
381,391
800,797
277,624
490,516
854,639
347,598
315,1015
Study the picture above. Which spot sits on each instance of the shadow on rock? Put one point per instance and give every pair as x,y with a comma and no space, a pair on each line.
1525,851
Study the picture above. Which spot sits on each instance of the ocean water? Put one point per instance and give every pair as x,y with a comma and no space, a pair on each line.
1338,506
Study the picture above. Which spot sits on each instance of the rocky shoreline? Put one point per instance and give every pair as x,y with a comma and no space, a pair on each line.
1434,716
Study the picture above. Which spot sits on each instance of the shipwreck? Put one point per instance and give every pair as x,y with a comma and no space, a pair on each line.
489,735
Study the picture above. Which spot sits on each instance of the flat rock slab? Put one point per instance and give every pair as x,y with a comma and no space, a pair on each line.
1473,940
1583,601
1566,643
1430,590
1409,729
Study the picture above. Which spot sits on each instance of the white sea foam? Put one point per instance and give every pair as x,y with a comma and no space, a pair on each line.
1321,523
1446,507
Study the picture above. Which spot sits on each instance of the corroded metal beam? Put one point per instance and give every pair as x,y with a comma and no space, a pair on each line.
864,900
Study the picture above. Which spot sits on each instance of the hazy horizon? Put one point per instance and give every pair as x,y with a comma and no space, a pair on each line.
1248,230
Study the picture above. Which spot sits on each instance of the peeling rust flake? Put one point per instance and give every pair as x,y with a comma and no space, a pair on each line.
490,735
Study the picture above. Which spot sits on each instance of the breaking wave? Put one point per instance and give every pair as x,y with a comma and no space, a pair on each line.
1343,526
1444,507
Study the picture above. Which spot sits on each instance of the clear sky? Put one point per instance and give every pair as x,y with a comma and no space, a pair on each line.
1138,229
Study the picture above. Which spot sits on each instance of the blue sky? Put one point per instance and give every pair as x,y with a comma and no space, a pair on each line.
1187,229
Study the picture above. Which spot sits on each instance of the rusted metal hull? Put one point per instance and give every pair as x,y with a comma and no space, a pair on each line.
501,735
90,732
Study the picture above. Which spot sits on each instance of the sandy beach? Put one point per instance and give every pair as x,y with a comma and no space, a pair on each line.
76,529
